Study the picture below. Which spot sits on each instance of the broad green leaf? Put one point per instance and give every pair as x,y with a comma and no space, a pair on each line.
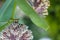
7,10
39,21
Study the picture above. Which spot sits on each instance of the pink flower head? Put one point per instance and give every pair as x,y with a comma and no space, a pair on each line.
17,31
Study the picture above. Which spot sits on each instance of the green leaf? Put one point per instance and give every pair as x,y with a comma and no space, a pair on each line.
39,21
7,10
4,25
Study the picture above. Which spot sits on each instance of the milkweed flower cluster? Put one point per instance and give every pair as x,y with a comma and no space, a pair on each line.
16,31
40,6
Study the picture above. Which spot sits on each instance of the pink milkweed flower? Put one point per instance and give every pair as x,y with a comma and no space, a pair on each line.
17,31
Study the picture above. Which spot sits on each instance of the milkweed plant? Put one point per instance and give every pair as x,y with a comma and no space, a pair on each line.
22,19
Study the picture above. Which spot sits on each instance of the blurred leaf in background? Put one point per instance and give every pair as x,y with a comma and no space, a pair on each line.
54,19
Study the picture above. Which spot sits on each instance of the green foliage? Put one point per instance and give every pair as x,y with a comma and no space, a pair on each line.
7,9
4,25
39,21
6,13
53,19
